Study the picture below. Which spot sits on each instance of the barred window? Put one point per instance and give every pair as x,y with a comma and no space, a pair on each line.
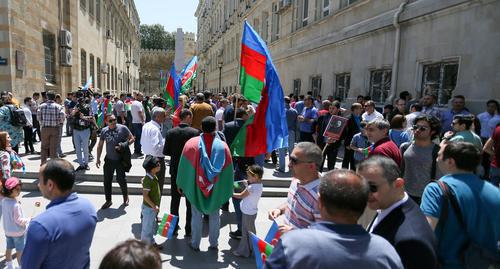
49,56
342,85
380,84
440,79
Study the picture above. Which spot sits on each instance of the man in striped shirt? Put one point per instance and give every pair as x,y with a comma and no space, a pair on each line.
301,208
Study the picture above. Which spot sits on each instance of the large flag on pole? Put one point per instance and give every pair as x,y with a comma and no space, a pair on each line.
266,130
188,74
88,85
172,89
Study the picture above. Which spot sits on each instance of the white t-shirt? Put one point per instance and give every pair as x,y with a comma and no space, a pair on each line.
136,108
249,204
370,117
219,115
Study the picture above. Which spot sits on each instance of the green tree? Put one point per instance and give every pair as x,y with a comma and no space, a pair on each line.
155,37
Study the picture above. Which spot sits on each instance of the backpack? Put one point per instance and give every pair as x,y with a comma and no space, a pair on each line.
17,116
474,255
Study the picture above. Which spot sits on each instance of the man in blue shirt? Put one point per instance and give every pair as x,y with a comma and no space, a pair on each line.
291,120
61,236
306,119
478,202
457,108
337,241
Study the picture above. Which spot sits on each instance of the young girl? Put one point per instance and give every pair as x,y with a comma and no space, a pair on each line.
14,223
152,197
250,200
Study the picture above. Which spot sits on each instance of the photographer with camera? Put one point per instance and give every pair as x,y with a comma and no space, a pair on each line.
82,121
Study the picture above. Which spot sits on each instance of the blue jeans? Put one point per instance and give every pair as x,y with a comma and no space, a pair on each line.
494,175
137,131
197,227
81,140
149,224
282,151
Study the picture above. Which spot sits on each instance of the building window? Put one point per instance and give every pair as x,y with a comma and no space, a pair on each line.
342,85
91,67
345,3
265,26
275,27
98,11
116,79
380,84
83,4
83,67
305,12
316,85
108,76
296,87
326,8
98,80
91,7
49,56
440,79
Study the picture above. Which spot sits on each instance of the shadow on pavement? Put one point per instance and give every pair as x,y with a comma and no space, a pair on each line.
110,213
136,230
32,194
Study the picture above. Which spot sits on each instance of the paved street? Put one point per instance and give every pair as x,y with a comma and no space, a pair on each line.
118,224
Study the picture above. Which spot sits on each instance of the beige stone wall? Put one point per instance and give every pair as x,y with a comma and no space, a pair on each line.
23,22
152,61
357,39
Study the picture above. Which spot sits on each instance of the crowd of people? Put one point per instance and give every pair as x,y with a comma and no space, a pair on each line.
430,177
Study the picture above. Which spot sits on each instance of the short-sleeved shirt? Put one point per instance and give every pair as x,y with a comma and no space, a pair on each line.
249,204
479,203
399,137
359,141
302,204
135,109
418,166
113,137
468,136
484,118
495,161
219,115
119,108
150,184
308,113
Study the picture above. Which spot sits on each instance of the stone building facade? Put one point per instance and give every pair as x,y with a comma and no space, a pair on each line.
57,45
347,48
152,61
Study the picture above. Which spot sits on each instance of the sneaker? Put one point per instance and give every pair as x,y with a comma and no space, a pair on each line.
106,205
193,248
79,168
235,235
277,170
62,155
216,247
158,247
87,167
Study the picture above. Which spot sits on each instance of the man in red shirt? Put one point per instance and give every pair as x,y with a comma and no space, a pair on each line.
377,132
492,147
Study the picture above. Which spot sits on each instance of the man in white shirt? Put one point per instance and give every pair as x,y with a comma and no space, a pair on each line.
138,120
415,111
219,115
152,141
399,219
371,113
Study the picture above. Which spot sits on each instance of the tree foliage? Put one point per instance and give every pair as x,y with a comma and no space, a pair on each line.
155,37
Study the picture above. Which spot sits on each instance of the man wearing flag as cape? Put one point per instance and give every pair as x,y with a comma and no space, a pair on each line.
205,176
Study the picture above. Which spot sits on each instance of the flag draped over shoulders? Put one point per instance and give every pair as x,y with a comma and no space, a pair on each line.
207,195
267,130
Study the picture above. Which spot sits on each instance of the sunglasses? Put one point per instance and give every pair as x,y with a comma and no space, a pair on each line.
420,128
111,120
294,160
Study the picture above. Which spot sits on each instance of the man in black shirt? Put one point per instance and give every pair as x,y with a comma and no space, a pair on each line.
82,120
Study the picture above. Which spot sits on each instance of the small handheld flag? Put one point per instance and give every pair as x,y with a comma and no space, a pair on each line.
261,249
368,150
273,235
167,225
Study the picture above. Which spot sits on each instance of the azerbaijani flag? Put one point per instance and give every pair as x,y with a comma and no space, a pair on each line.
88,85
204,194
266,130
261,249
172,89
106,108
167,225
273,235
368,151
188,74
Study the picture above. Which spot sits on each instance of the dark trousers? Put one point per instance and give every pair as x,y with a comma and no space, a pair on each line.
28,139
305,136
161,174
110,166
93,139
175,203
36,125
137,132
329,152
348,160
485,161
